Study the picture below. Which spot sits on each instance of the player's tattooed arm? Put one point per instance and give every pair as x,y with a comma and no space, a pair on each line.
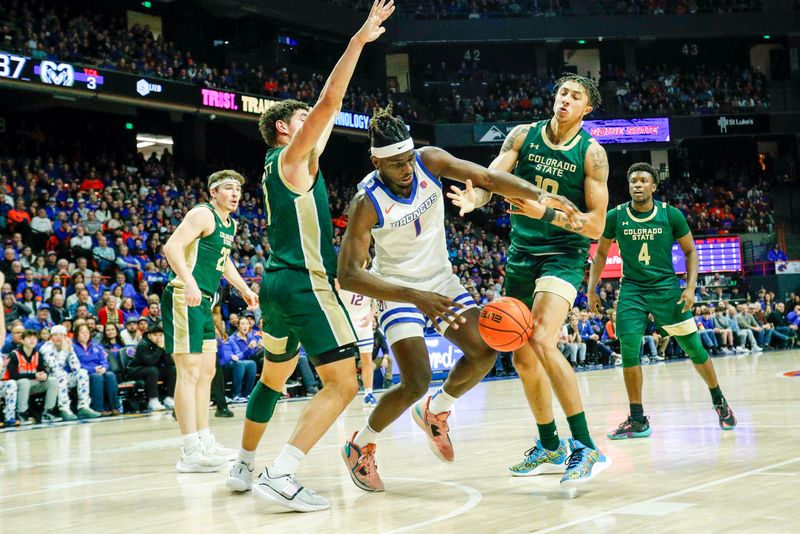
509,152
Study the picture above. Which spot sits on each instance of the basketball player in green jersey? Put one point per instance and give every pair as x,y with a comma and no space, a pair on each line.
198,253
298,300
546,264
645,231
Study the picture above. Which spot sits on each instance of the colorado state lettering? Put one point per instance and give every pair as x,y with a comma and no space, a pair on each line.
642,234
551,166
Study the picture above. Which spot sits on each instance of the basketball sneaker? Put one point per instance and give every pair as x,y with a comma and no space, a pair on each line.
287,491
361,465
212,448
541,461
436,428
632,429
195,461
240,477
370,401
727,421
583,465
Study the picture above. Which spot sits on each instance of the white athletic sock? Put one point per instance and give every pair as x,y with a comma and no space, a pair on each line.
190,442
441,402
365,436
287,461
248,458
205,435
367,391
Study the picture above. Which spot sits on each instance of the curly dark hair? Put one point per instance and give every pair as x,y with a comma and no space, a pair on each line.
591,87
386,129
281,111
644,167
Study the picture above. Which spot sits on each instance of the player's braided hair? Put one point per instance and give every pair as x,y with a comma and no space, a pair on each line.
386,129
591,87
644,167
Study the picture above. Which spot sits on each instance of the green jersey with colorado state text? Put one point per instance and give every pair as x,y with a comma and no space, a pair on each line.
206,256
645,243
558,170
298,222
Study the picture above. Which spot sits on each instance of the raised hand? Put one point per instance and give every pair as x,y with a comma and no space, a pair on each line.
372,29
464,199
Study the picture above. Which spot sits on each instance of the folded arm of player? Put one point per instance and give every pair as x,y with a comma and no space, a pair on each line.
595,186
199,222
300,160
598,263
231,274
352,277
692,264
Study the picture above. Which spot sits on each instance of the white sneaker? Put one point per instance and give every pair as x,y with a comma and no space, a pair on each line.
645,359
726,350
212,448
659,358
198,462
758,349
169,403
618,360
240,477
287,491
155,405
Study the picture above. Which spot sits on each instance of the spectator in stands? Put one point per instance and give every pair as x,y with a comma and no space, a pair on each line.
8,393
82,298
151,363
42,229
650,340
128,309
127,289
243,349
776,254
574,347
96,287
131,336
102,382
104,254
779,320
81,244
61,362
778,339
112,341
748,328
740,336
609,337
706,330
14,310
129,266
30,282
82,267
110,313
41,320
27,368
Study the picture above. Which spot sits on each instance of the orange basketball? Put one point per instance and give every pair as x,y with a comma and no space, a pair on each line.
505,324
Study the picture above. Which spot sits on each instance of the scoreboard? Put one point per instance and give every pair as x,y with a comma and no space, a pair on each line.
714,255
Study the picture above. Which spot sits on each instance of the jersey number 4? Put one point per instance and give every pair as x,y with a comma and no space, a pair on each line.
223,258
644,254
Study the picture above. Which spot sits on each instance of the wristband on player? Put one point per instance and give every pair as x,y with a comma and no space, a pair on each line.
549,215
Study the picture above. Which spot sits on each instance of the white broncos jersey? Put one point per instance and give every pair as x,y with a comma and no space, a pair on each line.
410,246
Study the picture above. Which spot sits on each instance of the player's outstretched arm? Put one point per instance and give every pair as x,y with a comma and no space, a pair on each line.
297,164
598,263
352,277
198,222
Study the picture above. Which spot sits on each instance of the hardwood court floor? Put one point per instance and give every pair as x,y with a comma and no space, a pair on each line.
117,476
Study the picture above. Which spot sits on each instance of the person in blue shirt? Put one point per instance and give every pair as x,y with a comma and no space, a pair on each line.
776,254
591,337
129,264
29,282
42,319
96,287
127,289
705,324
242,347
102,382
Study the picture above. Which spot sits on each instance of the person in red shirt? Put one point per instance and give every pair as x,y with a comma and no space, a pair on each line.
110,313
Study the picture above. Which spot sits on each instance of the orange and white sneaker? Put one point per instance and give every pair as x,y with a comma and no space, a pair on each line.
435,426
361,465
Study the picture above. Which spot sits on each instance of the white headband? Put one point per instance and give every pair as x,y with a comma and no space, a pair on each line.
392,150
221,181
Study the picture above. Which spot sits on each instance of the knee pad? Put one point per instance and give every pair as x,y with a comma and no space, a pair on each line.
693,347
629,347
261,404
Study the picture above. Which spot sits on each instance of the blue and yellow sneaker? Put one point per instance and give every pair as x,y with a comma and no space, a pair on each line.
631,428
583,465
541,461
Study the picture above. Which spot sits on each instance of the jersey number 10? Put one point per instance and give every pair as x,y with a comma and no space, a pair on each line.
548,184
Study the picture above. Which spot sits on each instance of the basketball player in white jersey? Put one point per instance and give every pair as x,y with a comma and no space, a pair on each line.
361,310
401,206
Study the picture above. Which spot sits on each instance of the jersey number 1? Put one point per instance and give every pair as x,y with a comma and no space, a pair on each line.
223,258
644,254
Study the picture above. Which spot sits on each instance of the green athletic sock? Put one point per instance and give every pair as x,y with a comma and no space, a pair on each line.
548,435
637,413
716,395
580,430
